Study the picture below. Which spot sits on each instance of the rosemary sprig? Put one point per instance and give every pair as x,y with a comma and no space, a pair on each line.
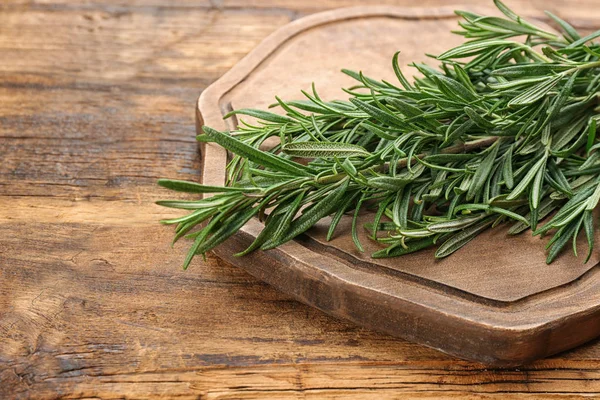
504,130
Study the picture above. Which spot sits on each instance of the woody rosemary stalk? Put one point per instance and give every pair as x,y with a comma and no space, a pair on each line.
504,131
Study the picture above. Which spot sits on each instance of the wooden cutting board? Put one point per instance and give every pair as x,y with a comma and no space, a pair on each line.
494,301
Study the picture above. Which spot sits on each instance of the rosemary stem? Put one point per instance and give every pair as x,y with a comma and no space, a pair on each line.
590,65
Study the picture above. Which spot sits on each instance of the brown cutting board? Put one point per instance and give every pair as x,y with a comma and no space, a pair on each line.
494,301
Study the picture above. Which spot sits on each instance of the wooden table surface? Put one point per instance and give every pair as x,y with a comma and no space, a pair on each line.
96,103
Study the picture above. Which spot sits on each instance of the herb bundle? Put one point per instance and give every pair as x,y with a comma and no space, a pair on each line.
503,131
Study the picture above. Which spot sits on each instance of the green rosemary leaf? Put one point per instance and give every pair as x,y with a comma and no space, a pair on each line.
504,26
558,176
260,157
563,136
419,204
507,169
349,168
506,11
536,92
401,78
575,234
339,214
463,78
203,234
291,112
546,207
454,224
569,32
309,106
325,207
380,212
562,236
204,139
271,224
186,227
382,133
284,225
583,40
461,238
460,130
534,71
556,106
491,209
581,141
478,119
397,251
568,211
324,150
227,228
524,183
588,225
414,113
455,90
195,204
536,190
182,219
262,115
400,207
387,118
389,182
591,139
482,173
368,82
354,229
474,48
592,202
193,187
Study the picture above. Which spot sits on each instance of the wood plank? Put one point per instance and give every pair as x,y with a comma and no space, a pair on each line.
94,103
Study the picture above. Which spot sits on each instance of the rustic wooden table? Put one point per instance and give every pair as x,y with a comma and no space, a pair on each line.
96,103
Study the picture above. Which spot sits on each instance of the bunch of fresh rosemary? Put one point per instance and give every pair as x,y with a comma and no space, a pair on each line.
504,130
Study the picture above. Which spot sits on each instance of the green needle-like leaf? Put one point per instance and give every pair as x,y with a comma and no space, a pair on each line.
324,150
193,187
262,115
482,173
570,32
524,183
536,92
285,223
326,206
461,238
260,157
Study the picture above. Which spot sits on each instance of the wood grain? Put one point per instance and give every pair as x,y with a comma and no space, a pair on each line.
94,106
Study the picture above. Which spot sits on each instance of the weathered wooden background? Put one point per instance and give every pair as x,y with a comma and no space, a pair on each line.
96,103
